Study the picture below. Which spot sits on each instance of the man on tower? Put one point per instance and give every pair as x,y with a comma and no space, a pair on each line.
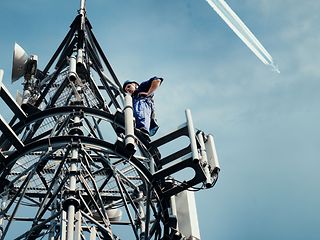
143,103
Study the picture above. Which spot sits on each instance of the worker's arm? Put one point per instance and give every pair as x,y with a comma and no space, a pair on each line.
154,85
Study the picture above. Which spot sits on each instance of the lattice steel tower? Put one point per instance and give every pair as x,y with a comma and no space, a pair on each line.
72,165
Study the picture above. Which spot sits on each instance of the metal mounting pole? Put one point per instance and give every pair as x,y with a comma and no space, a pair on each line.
71,203
72,207
78,226
63,225
142,214
3,206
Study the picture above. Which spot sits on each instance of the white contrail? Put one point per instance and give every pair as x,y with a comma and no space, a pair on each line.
243,32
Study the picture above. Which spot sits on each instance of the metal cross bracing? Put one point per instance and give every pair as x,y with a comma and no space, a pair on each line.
73,167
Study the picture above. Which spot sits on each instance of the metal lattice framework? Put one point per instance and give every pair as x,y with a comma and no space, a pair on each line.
66,169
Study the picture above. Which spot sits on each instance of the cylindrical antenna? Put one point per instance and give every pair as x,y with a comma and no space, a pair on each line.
129,125
81,31
83,7
83,13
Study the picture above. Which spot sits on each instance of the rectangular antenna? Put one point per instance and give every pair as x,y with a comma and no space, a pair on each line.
185,208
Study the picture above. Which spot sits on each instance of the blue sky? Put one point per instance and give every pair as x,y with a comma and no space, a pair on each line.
266,125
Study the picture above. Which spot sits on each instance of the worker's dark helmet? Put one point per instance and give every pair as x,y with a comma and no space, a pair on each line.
128,82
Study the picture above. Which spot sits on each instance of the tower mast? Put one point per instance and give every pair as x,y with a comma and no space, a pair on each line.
68,170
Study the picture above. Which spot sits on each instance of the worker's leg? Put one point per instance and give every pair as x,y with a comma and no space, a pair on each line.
142,114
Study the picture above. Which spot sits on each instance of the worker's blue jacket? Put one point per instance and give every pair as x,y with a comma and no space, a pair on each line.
143,108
